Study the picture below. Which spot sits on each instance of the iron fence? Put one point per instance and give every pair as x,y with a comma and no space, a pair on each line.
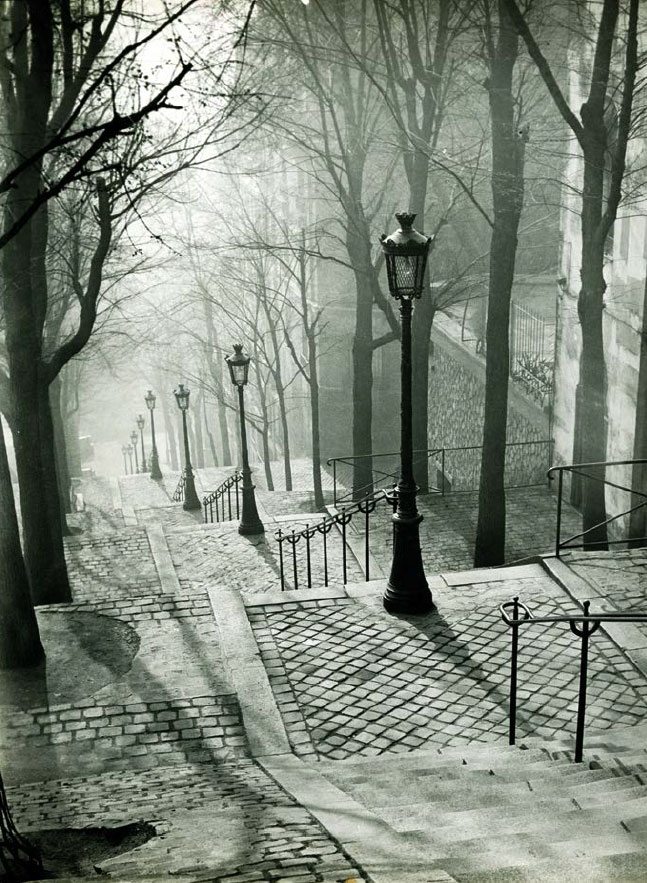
454,469
178,494
220,500
516,614
321,531
596,472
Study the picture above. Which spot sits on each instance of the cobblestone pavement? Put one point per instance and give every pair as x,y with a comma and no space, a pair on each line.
621,575
350,680
119,565
226,822
218,554
449,527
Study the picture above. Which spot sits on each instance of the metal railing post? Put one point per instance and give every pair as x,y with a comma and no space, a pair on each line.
334,482
279,536
558,526
512,727
588,629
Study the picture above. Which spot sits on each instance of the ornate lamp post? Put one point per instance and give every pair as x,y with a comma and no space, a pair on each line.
124,451
407,591
140,425
129,450
191,500
250,523
156,473
133,441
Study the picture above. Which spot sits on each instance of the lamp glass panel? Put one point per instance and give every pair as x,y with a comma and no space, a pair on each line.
239,374
406,274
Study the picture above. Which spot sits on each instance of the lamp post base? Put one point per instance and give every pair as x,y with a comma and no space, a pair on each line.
191,500
250,522
407,590
156,472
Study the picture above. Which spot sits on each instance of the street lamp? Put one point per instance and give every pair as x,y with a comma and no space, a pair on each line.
133,439
238,363
407,591
140,425
156,473
191,500
129,451
124,451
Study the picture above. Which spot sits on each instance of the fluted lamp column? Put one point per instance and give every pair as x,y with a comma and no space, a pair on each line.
191,500
156,472
407,591
141,422
250,522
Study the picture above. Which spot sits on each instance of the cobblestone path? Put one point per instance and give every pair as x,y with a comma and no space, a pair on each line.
350,680
217,555
448,530
226,823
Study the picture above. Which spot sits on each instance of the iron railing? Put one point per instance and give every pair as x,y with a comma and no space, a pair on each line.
220,500
322,529
19,859
583,625
178,495
577,469
457,468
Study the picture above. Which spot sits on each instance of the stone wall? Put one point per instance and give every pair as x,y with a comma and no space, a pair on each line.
456,407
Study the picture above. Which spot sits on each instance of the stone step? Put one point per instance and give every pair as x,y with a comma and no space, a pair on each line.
545,770
485,790
494,853
630,867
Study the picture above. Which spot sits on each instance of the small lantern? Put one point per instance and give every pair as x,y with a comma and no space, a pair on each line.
124,449
129,449
405,253
140,421
149,398
182,397
238,366
133,438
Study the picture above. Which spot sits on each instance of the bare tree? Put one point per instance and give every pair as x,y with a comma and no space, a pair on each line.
602,137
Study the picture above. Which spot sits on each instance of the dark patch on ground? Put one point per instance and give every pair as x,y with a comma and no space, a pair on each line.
84,652
74,852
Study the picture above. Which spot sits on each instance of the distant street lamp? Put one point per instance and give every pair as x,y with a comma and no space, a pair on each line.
140,424
191,500
407,591
129,449
250,523
156,473
124,451
133,440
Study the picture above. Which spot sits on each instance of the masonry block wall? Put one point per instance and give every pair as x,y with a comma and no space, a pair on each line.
456,408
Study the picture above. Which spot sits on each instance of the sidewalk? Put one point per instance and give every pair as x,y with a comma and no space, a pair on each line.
185,693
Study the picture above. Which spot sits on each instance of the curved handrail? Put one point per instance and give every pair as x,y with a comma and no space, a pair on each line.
582,625
218,496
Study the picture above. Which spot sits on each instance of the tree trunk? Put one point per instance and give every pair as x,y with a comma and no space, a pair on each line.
212,444
314,420
424,317
285,434
60,447
638,518
169,431
20,644
197,431
592,441
507,194
362,389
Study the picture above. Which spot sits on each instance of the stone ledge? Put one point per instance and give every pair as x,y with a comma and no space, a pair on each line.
277,597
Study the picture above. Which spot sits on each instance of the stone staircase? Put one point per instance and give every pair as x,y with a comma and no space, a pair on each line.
493,812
